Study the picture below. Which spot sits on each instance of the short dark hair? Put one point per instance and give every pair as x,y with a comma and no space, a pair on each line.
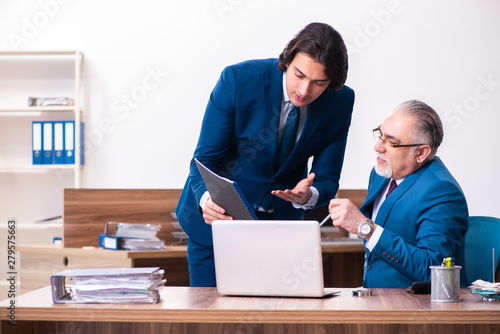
325,45
428,127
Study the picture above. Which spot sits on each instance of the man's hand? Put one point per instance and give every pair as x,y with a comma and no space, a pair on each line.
212,211
345,214
300,194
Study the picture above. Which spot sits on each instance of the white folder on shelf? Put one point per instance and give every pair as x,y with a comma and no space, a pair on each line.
69,142
36,142
59,142
48,145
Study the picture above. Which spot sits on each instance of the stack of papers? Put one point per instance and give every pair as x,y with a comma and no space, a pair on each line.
146,231
113,285
131,237
50,101
486,289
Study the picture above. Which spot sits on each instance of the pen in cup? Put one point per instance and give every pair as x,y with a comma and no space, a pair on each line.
448,289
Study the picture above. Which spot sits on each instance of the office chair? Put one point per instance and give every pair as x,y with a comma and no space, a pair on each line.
482,236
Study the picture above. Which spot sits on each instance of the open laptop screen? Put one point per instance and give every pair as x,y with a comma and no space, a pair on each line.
268,258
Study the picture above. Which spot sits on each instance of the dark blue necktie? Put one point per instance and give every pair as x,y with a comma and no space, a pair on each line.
285,147
287,141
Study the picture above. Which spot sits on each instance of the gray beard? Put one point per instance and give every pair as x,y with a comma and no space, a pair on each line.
384,172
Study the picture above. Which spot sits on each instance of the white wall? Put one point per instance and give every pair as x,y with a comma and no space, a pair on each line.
151,64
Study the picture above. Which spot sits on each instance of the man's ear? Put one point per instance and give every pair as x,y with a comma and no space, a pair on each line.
422,153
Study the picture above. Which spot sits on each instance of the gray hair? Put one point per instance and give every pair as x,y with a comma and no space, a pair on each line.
428,128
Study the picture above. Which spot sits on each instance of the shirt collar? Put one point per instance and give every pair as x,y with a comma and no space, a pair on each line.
398,181
286,99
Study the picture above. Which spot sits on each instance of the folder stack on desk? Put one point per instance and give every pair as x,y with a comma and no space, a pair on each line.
131,237
110,285
113,285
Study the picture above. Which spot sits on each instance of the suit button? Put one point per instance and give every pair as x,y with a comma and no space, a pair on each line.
393,258
396,260
255,206
369,267
384,252
388,255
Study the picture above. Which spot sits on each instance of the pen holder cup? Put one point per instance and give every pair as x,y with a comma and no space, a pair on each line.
445,284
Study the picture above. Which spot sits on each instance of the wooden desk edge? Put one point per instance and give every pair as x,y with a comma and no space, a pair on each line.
141,313
262,316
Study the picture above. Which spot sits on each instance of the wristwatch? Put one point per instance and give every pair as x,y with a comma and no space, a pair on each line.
365,228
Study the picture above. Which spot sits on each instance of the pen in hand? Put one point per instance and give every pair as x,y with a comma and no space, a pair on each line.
325,220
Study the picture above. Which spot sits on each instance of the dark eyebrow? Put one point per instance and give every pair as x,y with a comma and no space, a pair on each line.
295,67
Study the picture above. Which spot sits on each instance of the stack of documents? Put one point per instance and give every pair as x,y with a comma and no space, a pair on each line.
114,285
131,237
50,101
486,289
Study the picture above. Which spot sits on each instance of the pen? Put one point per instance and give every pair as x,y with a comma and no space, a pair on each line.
448,289
325,220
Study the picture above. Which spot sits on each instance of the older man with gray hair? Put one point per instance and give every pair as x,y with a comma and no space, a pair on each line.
415,213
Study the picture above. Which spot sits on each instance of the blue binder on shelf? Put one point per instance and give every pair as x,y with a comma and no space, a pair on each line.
82,137
48,143
58,142
36,142
226,194
69,143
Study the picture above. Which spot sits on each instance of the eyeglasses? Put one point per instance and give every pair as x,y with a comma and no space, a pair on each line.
377,135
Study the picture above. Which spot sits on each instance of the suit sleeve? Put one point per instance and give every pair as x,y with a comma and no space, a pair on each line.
219,120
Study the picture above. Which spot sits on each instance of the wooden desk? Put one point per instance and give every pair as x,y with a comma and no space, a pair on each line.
203,310
38,263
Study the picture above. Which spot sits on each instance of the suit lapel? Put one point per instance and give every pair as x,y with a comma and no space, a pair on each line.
273,93
312,120
399,191
377,186
386,207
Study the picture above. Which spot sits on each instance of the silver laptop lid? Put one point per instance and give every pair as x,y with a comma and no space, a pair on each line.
268,258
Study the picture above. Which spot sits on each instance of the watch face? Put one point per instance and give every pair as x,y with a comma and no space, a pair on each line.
365,228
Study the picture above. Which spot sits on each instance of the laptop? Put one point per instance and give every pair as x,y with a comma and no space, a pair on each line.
269,258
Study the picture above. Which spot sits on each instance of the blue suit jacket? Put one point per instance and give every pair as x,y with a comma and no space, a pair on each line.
425,220
238,140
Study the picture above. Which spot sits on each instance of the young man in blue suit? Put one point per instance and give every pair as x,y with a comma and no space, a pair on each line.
418,221
242,130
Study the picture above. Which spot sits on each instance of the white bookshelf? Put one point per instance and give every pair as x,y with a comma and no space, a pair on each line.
40,74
